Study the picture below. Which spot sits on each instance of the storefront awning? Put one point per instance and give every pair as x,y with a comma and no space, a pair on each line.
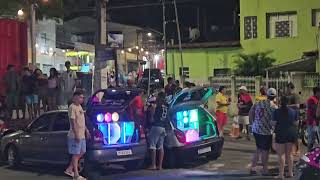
307,64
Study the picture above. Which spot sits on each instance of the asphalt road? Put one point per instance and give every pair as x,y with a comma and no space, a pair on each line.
233,164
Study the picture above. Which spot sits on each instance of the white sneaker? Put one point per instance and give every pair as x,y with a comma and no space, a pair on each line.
79,178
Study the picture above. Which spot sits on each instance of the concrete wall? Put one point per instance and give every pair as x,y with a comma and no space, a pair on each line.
201,62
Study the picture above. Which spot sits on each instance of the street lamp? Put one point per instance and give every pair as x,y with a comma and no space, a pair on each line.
20,12
149,34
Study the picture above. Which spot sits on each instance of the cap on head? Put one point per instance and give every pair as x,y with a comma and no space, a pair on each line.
244,88
272,92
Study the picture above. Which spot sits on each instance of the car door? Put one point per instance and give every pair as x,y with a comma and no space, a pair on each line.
57,139
36,138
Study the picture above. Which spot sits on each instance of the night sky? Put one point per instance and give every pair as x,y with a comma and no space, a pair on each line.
216,19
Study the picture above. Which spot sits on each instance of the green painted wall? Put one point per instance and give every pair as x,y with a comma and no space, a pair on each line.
201,62
284,49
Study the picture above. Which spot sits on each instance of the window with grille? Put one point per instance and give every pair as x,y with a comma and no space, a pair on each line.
250,27
316,17
282,25
185,70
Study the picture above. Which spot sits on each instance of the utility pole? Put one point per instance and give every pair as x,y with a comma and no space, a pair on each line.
318,46
33,34
165,33
101,39
179,38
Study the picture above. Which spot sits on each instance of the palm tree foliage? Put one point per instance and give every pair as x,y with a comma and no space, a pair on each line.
253,64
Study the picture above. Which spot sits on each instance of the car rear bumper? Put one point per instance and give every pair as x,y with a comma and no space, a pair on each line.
109,155
193,151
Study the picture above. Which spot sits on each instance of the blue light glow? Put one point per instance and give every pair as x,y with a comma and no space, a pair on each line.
100,117
188,122
185,120
185,113
117,132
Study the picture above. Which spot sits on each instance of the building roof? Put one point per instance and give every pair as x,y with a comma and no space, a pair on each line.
306,64
207,45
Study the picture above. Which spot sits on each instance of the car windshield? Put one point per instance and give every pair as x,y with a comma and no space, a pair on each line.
113,97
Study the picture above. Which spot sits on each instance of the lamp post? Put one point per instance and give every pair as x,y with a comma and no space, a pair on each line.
33,34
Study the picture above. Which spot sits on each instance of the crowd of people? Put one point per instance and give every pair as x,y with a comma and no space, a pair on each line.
273,121
32,91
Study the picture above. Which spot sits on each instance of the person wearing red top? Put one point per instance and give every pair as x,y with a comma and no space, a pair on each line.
244,106
312,122
137,109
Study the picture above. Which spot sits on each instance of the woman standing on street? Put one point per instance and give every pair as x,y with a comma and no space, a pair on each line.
52,89
42,88
286,122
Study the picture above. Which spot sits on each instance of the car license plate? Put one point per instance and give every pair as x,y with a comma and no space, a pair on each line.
124,152
204,150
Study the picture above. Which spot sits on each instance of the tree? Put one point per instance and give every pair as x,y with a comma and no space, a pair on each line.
45,8
253,64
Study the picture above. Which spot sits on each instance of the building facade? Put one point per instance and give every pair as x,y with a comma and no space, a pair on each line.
285,28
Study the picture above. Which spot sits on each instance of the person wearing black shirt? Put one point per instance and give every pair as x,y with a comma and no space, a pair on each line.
158,131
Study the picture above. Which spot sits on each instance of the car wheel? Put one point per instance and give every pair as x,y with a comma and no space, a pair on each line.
171,160
134,165
91,170
13,157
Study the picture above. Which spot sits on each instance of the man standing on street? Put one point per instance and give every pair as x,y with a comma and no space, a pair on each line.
244,106
312,122
222,109
11,80
170,87
77,135
69,79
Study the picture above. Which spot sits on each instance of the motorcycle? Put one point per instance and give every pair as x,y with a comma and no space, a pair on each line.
309,166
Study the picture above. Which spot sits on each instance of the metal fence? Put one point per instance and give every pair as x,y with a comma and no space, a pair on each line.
216,82
249,82
310,81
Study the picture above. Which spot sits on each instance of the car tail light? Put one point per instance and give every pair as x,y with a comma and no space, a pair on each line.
97,136
180,136
142,133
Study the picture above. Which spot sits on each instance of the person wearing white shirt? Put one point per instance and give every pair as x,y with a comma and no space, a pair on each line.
69,79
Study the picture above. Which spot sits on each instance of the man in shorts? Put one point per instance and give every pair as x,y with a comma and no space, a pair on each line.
158,131
69,82
77,135
244,106
261,115
12,90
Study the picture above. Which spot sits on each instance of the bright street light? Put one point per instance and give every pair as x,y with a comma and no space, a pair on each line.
122,51
137,47
147,52
20,12
141,49
149,34
129,49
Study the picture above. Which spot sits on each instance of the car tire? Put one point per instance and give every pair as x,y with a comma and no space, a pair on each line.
171,160
134,165
13,157
91,170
